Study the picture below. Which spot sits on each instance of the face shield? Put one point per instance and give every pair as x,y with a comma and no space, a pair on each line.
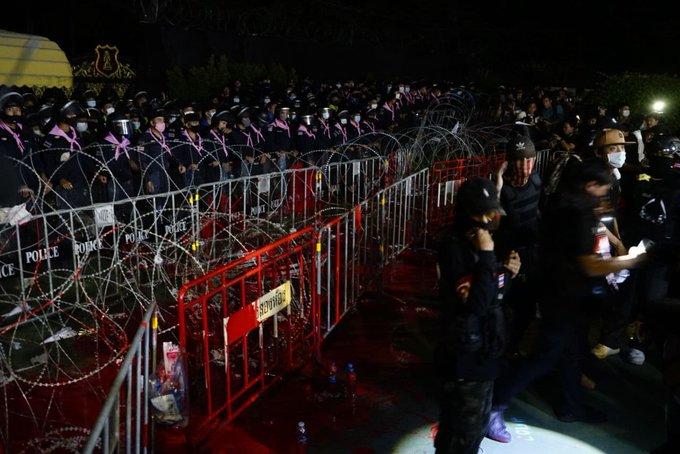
123,127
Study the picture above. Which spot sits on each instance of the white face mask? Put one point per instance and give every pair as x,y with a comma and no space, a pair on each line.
374,105
343,121
38,132
266,100
407,89
81,126
625,113
237,99
397,95
91,103
401,89
357,118
110,110
136,125
326,115
617,159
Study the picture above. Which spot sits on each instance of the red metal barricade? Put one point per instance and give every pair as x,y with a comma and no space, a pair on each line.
247,323
446,178
337,263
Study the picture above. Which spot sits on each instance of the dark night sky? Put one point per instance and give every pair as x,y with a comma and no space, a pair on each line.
507,38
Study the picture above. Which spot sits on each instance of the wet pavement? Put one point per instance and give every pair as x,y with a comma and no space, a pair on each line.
388,339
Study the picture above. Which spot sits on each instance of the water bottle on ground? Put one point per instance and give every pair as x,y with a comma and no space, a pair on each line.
333,374
352,387
302,433
351,381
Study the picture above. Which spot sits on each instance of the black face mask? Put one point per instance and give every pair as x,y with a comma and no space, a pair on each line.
470,224
481,225
11,118
194,128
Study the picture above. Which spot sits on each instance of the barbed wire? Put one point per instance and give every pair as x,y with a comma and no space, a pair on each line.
78,282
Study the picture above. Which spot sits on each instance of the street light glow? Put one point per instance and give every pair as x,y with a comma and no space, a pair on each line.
658,106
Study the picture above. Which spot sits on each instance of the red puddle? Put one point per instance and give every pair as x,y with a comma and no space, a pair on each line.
52,410
369,338
41,418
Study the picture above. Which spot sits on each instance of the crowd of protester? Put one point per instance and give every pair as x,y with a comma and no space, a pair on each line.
591,248
95,148
596,239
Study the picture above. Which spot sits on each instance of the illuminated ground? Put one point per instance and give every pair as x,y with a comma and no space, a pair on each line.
396,408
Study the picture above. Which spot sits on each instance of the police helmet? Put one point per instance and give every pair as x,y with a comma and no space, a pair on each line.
71,111
223,115
11,99
119,123
191,117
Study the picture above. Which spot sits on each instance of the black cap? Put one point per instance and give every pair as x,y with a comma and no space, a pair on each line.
520,147
478,196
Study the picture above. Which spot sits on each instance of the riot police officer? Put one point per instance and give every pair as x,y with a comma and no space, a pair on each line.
19,181
69,169
222,125
156,156
324,129
116,152
282,137
340,136
306,142
190,151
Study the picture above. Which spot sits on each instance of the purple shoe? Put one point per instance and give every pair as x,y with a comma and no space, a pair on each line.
497,430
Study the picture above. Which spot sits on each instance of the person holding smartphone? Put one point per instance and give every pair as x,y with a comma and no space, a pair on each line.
572,261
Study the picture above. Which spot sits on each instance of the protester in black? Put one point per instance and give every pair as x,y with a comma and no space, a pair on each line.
570,257
520,192
472,288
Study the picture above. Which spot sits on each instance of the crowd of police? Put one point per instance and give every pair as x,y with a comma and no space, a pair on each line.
101,148
587,256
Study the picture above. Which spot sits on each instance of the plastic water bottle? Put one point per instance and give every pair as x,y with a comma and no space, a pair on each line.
333,374
351,381
352,387
302,433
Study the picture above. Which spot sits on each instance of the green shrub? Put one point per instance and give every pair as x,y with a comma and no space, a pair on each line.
202,82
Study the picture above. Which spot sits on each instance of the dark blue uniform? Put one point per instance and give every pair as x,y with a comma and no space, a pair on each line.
155,159
65,161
